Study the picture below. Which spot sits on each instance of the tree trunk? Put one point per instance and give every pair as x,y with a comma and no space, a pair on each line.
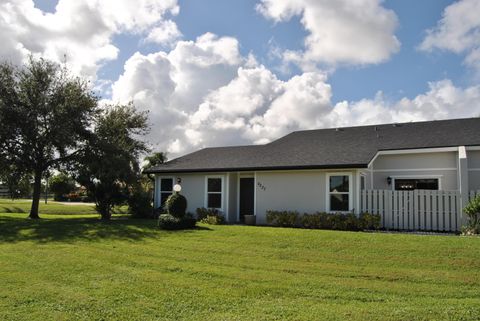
103,207
37,186
106,215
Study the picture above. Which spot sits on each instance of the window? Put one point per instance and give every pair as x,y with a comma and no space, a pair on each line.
339,192
362,182
410,184
166,189
214,192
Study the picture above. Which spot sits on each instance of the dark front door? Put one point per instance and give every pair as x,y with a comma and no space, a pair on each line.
246,197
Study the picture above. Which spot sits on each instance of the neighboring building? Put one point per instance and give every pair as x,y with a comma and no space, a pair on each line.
4,191
327,169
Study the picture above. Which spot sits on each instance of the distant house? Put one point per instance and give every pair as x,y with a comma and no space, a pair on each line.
4,191
392,169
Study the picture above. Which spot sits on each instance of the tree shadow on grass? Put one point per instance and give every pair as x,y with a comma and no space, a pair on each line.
14,229
12,209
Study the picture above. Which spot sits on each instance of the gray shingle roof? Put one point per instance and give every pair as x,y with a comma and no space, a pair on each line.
349,147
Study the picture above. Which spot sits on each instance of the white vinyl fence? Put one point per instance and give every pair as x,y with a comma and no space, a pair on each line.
415,210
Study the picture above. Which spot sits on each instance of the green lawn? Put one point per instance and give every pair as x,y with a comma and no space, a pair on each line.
78,268
23,206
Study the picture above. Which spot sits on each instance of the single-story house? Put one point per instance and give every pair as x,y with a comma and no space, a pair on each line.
327,169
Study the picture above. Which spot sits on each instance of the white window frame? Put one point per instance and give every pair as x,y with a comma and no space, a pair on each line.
364,177
350,191
222,192
160,191
439,177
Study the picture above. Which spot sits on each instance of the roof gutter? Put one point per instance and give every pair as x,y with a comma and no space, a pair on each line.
249,169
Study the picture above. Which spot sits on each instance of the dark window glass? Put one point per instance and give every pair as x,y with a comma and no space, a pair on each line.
214,201
412,184
214,185
339,202
163,198
166,184
362,182
338,183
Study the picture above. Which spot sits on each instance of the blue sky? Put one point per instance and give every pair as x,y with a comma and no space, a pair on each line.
216,72
407,73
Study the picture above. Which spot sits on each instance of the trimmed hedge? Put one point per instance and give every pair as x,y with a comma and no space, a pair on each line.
282,218
322,220
210,216
176,205
170,222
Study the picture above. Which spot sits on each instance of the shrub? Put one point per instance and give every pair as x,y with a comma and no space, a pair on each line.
170,222
473,212
176,205
210,216
282,218
140,205
341,221
369,221
317,220
352,222
337,221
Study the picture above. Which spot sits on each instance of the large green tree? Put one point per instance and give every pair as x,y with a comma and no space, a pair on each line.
109,168
45,116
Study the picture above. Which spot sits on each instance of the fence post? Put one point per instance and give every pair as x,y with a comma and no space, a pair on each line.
463,180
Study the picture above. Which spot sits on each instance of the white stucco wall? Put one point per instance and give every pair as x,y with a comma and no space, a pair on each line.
441,165
473,157
302,191
232,197
193,188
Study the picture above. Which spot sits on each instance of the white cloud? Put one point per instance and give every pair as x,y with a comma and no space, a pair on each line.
442,101
80,30
166,33
458,31
172,85
204,93
340,31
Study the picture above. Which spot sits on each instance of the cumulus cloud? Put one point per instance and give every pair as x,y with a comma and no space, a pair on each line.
340,31
165,33
80,31
443,100
172,85
457,31
204,93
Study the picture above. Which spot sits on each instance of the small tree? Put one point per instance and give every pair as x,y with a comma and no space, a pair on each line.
61,185
45,116
176,205
473,211
177,218
154,160
109,167
147,181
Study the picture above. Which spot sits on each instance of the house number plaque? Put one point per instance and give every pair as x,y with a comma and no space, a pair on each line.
261,186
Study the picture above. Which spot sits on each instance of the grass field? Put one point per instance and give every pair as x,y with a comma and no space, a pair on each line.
77,268
23,206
